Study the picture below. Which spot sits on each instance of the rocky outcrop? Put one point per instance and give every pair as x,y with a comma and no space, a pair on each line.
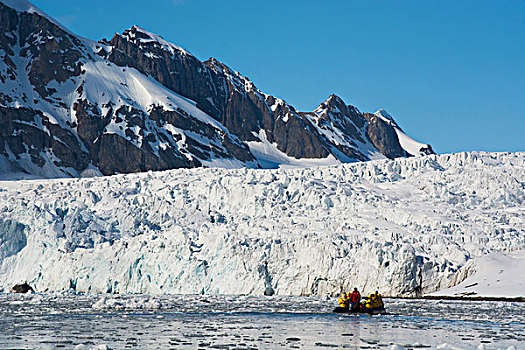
427,150
172,66
384,137
22,288
55,55
334,117
28,135
8,24
38,53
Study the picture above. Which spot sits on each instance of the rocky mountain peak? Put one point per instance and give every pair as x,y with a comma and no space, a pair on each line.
333,99
335,108
143,37
383,114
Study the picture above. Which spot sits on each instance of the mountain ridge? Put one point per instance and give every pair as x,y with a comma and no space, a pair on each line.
138,102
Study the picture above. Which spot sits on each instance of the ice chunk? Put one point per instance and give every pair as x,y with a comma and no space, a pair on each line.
397,347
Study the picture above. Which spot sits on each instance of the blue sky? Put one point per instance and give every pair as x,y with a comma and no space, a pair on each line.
452,73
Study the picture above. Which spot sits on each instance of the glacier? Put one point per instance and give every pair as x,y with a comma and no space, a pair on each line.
408,227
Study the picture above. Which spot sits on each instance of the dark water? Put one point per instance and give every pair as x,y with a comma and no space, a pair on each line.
54,321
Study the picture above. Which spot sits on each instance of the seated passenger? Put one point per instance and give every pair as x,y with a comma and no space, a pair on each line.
375,301
380,303
370,301
344,300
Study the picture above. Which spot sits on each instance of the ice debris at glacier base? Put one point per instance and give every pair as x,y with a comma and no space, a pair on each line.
405,227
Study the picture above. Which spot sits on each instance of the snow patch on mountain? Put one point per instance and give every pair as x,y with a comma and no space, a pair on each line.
149,37
383,114
270,157
406,227
410,145
107,84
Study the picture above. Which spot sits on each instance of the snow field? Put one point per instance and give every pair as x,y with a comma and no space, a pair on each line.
489,276
404,227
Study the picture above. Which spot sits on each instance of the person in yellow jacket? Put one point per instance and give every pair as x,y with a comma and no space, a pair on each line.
374,300
379,300
344,300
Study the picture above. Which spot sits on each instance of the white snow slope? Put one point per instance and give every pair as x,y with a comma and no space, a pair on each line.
492,275
405,227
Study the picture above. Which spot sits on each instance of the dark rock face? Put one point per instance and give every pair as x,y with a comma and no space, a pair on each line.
384,137
298,138
27,135
89,121
22,288
171,66
45,44
426,150
60,125
8,24
114,155
50,60
334,116
22,136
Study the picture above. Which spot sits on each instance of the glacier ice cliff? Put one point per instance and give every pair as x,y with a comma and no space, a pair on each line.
404,226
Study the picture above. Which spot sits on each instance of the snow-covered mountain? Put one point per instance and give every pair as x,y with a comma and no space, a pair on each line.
70,106
408,226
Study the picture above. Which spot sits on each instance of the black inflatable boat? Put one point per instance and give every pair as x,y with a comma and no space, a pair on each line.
363,310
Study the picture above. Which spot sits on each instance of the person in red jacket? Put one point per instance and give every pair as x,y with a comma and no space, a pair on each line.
355,299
